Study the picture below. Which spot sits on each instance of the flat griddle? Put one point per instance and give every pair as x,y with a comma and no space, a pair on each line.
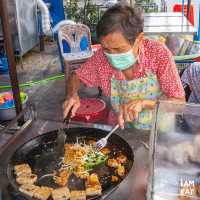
40,154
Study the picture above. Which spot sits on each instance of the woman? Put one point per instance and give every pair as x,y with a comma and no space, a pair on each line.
133,71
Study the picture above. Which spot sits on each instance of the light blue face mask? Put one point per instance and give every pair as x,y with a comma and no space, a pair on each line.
122,61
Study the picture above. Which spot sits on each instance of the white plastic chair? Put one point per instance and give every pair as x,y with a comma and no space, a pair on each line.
75,43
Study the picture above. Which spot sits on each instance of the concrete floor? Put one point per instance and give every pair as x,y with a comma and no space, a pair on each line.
36,66
50,95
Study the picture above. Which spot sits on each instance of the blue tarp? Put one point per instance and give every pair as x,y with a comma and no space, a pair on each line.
56,11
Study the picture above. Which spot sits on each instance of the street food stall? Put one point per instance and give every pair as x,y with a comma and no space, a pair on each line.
175,132
46,125
156,164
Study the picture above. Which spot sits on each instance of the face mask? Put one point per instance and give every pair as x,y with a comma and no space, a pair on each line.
122,61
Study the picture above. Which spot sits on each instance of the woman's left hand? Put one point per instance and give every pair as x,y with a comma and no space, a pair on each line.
129,112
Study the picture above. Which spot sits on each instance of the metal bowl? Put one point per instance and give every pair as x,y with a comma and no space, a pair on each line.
10,113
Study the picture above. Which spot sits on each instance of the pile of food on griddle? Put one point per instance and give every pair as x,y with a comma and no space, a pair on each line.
81,159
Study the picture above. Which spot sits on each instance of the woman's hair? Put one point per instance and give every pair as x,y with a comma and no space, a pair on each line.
121,18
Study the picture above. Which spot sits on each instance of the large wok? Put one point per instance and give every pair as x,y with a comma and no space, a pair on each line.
40,154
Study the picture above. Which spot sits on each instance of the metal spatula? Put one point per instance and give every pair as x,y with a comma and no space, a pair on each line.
62,135
60,148
68,118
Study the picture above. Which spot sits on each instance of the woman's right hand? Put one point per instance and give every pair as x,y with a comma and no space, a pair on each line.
73,101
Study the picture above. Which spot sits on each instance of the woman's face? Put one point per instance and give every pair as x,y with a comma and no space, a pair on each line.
115,43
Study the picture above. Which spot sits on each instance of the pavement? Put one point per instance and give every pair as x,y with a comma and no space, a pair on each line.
34,66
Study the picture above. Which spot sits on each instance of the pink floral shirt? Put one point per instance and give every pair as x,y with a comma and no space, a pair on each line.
153,57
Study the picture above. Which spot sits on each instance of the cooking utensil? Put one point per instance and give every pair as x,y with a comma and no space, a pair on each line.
103,141
40,152
62,135
68,118
60,148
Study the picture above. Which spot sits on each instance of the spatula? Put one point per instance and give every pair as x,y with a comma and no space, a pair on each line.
61,137
60,147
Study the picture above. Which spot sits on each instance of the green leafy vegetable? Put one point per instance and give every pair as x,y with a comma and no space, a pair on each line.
93,160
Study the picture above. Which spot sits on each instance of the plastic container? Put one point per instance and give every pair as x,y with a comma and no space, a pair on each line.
91,110
7,110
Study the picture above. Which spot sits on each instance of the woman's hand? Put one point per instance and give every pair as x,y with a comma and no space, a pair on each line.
73,101
130,111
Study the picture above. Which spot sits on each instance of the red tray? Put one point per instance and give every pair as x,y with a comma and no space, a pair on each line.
91,110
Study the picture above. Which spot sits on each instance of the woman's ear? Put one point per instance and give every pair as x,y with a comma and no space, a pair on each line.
137,43
140,36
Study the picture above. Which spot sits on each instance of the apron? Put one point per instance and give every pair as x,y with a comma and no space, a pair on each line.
147,87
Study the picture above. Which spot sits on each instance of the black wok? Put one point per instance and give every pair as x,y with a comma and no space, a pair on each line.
40,154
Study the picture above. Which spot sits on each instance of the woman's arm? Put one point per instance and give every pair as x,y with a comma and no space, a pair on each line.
73,85
86,73
72,99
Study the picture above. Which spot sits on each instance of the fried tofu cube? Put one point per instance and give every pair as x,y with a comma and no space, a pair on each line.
94,190
22,169
120,170
93,186
122,159
93,179
77,195
28,189
61,194
105,150
114,179
112,163
25,179
42,193
91,142
62,178
81,173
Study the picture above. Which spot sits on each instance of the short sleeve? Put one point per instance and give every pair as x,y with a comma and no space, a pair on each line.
167,73
88,71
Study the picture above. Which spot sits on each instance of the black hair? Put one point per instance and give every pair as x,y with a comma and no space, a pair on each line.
123,18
